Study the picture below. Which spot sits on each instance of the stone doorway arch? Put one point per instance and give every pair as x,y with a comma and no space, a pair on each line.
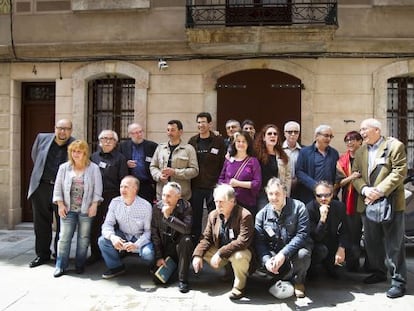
307,77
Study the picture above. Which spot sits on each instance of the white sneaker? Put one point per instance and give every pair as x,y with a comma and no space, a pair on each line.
282,289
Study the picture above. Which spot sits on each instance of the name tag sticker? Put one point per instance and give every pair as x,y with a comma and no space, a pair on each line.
231,234
102,164
270,232
380,161
148,159
214,151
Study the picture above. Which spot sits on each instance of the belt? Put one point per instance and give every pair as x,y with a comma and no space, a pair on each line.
47,181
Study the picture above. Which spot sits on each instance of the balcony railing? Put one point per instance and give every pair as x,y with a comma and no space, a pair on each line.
202,13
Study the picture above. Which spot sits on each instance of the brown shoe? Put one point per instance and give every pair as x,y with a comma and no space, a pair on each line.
299,290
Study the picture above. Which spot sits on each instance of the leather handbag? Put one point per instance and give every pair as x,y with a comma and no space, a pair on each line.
380,211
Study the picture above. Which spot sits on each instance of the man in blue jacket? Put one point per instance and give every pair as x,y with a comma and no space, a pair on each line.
316,162
282,238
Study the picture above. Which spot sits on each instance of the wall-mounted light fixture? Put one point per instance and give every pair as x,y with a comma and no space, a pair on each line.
162,64
34,70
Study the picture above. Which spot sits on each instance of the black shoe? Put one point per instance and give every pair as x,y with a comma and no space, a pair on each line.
80,270
375,278
92,259
395,292
111,273
236,294
183,287
38,261
58,272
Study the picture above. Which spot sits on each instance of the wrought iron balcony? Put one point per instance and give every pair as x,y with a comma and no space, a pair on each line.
202,13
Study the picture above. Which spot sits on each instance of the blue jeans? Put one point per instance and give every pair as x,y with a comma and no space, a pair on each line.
111,255
67,229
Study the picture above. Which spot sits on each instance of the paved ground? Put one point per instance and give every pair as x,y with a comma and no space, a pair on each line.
23,288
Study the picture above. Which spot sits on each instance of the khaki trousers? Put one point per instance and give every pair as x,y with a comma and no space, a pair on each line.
240,262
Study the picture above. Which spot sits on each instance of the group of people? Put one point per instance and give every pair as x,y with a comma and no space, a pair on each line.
274,207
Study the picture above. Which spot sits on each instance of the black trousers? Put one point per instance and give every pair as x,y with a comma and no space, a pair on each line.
198,196
97,222
181,252
147,191
43,210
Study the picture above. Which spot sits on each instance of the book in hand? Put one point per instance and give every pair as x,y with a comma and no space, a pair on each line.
163,273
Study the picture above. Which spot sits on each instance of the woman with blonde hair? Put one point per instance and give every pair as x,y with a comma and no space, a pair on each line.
77,193
274,161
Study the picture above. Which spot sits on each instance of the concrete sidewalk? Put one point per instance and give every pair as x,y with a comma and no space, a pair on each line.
24,288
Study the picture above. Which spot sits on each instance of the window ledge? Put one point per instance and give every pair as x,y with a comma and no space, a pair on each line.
105,5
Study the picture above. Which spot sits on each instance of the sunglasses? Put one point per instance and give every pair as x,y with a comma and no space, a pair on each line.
323,195
292,132
271,133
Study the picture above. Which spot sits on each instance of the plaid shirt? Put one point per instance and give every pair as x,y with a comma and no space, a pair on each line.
134,221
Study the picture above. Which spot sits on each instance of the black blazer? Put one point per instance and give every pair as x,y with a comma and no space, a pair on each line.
149,148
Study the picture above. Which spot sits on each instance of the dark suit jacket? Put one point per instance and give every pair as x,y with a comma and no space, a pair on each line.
40,149
391,176
149,149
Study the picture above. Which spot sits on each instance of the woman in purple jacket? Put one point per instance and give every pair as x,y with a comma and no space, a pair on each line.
242,171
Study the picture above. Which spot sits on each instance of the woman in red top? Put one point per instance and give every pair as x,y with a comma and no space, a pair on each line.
345,176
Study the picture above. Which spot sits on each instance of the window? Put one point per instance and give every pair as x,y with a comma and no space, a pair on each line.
111,106
400,114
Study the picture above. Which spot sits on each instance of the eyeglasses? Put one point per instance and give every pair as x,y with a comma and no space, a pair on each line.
292,132
63,128
327,135
271,134
349,140
106,139
231,126
323,195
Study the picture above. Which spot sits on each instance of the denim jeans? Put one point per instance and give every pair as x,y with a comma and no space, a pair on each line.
111,255
67,229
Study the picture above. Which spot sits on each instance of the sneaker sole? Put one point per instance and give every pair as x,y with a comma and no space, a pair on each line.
110,276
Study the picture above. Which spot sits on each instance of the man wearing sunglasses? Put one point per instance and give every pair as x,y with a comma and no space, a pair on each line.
328,230
316,162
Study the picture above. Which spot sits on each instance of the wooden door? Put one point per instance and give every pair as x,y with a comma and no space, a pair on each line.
38,115
262,95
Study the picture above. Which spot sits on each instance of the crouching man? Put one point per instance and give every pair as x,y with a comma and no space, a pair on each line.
282,238
227,237
127,228
171,232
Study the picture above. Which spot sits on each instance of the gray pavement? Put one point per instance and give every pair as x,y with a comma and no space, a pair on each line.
23,288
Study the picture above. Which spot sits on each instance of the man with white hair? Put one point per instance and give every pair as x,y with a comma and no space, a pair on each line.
315,163
292,149
382,164
113,168
227,239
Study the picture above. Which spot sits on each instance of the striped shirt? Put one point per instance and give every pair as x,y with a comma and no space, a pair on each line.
134,220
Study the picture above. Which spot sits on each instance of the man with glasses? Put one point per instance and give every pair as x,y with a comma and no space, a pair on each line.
113,166
328,229
316,162
292,149
138,153
232,126
48,152
382,162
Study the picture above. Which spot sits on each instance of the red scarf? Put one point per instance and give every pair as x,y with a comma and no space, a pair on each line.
344,166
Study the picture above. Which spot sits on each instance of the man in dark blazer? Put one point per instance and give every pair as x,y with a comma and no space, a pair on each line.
48,152
385,158
138,152
316,162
